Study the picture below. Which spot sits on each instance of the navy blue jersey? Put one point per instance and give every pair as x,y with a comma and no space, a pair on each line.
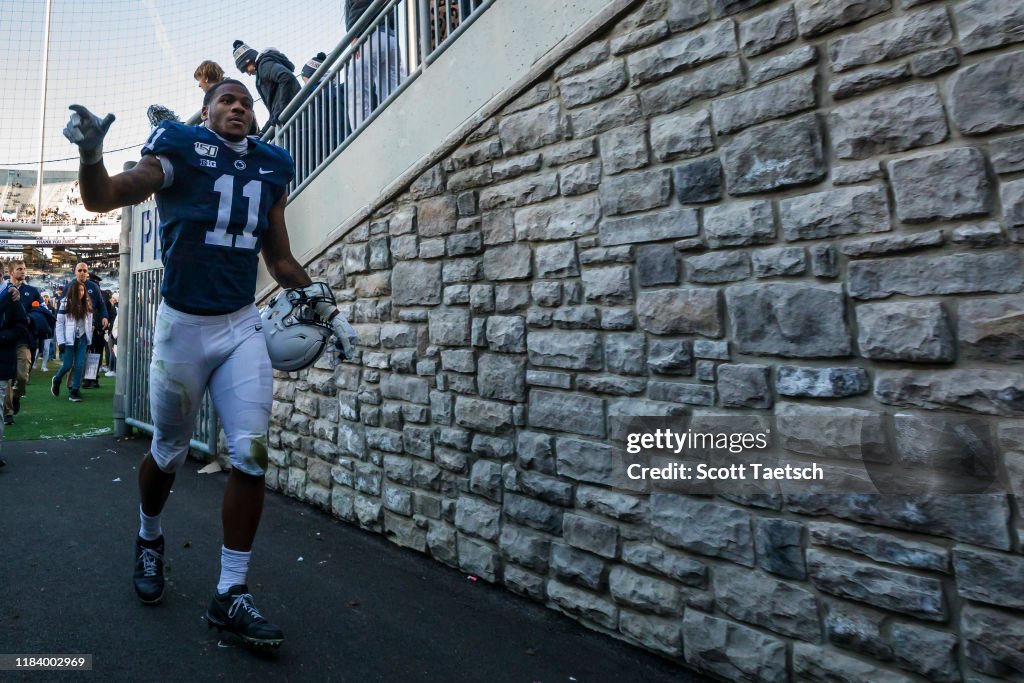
213,215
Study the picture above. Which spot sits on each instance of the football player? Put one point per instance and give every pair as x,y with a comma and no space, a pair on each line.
221,198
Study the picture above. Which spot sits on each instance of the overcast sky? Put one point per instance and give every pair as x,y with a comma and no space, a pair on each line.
121,56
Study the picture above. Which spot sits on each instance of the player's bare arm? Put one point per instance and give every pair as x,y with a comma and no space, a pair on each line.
277,251
100,191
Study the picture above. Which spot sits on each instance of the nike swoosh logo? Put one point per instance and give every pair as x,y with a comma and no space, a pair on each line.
262,172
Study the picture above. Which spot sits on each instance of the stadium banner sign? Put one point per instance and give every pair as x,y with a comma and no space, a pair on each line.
145,237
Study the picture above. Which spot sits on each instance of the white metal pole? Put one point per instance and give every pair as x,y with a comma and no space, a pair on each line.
42,119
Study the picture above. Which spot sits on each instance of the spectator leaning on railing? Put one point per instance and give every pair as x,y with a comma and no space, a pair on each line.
275,77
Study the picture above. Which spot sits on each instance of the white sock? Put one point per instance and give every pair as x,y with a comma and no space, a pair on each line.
149,527
234,568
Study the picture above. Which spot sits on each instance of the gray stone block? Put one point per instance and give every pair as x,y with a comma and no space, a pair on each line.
502,376
707,82
992,641
1007,154
779,547
834,432
477,558
890,589
732,652
960,273
556,260
488,417
531,129
857,629
662,634
1012,195
573,413
524,548
880,246
992,329
989,577
652,227
699,181
656,265
768,30
984,24
580,178
683,52
778,99
643,592
706,528
941,185
866,80
567,350
670,357
477,518
788,319
625,353
674,565
680,311
880,547
608,285
739,223
907,331
769,68
763,601
834,213
890,39
989,96
681,135
576,566
558,220
717,267
598,83
590,535
603,116
744,386
893,121
507,262
815,17
506,334
634,192
625,149
935,62
989,392
821,382
583,604
813,663
780,261
926,651
774,156
416,284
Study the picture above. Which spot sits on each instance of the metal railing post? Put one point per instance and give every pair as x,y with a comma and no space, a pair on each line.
121,428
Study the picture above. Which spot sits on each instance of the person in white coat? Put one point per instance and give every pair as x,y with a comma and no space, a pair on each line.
74,334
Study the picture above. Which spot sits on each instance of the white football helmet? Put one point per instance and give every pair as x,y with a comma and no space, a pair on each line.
296,335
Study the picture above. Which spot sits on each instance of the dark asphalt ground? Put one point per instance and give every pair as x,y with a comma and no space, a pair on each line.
353,606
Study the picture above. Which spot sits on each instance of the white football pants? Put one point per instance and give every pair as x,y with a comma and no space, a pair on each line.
226,353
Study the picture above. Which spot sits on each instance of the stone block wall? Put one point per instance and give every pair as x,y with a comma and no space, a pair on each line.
789,207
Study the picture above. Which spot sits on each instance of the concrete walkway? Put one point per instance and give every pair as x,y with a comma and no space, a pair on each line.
353,606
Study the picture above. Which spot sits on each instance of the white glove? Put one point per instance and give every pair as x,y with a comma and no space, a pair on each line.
86,130
322,300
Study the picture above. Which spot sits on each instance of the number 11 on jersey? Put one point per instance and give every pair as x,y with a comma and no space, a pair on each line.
219,235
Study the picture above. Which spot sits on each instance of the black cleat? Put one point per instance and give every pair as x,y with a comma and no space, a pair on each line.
74,396
8,420
149,570
55,387
16,405
236,613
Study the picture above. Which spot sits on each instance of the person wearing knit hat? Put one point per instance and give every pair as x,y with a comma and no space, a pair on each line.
245,57
275,77
310,67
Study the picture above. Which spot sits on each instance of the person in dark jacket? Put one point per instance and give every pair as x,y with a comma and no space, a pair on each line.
275,77
13,331
377,68
27,295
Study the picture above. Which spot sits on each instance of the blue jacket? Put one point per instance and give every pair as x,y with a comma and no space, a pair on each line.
13,331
